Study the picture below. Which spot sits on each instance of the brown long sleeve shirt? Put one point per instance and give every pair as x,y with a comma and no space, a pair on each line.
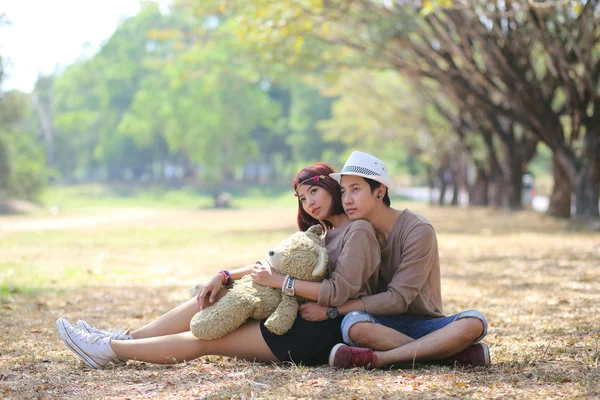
409,273
354,257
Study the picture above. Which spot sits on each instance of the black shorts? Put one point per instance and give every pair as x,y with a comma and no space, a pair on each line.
306,343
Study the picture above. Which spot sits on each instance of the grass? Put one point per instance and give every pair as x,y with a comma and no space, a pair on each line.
534,278
121,195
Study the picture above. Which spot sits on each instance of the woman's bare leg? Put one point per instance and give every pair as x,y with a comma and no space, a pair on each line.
175,321
246,342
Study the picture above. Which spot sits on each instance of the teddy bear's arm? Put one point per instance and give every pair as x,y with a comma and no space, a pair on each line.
284,316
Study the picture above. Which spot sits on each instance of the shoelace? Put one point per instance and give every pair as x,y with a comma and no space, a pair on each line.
116,335
361,357
95,338
92,338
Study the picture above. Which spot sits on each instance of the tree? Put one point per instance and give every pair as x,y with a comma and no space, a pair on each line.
23,173
531,68
201,100
91,97
376,107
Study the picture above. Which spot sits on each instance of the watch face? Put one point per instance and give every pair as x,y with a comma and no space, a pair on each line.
332,312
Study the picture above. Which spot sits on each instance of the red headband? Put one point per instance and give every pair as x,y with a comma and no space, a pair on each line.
315,178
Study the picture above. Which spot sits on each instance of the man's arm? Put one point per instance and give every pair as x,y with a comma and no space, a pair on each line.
419,256
315,312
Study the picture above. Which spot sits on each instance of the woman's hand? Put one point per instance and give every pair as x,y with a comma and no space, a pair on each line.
264,275
210,290
312,311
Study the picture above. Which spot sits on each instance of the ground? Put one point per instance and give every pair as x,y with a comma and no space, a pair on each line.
535,278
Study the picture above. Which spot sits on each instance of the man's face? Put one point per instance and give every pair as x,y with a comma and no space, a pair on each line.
357,199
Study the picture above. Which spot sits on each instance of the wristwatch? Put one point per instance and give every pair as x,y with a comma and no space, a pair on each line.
332,313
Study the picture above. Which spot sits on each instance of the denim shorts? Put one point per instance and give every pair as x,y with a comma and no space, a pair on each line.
412,326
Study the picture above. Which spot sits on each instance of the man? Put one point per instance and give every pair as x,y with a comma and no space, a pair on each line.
403,322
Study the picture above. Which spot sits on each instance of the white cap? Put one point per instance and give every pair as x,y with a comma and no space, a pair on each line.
365,165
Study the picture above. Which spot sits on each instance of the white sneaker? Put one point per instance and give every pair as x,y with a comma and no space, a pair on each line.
94,350
116,335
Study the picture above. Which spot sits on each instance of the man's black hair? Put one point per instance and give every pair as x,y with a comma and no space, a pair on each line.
374,185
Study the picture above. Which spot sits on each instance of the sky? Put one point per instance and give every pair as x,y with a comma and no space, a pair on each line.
44,34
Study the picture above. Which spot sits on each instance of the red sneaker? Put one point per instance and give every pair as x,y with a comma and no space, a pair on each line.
343,356
477,355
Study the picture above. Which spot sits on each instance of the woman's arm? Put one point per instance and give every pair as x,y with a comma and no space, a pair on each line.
357,262
210,290
355,266
239,273
266,276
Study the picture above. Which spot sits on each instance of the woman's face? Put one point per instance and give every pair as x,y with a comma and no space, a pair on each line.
357,199
315,200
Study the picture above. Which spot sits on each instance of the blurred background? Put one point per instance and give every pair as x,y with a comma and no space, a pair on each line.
469,103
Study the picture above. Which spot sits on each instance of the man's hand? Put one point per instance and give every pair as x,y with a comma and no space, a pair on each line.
209,292
264,275
313,312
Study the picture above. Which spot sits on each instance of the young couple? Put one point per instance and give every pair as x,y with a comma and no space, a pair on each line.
383,277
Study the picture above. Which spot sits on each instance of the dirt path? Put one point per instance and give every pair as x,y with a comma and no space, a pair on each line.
28,224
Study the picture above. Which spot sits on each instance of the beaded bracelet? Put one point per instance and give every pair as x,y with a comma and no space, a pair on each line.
227,275
285,283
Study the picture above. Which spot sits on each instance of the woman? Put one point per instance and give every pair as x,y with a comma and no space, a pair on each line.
353,261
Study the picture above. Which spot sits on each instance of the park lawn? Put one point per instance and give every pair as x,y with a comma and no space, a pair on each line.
536,280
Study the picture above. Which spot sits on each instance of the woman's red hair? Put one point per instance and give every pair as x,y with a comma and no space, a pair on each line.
305,221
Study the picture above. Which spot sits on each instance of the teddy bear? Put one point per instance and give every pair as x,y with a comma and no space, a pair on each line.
302,255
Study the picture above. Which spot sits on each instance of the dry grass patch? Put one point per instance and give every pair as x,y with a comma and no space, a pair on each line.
534,278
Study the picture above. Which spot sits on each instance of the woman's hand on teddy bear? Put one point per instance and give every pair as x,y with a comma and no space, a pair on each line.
208,295
264,275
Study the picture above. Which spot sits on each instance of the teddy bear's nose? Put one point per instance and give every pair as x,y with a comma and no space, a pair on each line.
271,253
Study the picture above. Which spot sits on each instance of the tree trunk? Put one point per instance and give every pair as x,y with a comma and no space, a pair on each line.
442,195
455,186
498,192
587,195
593,191
594,188
47,130
455,193
479,194
430,184
515,181
560,199
589,184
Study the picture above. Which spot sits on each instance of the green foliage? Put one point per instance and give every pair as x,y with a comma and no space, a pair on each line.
376,107
14,108
5,168
220,91
25,174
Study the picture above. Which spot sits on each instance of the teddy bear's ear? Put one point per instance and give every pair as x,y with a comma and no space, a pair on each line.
319,270
315,230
